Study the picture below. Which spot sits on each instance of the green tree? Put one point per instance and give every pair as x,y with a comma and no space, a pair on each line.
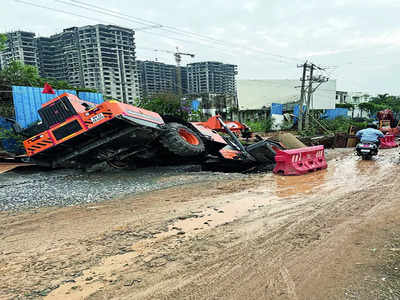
382,97
371,107
16,73
345,105
166,104
163,103
82,89
56,84
3,39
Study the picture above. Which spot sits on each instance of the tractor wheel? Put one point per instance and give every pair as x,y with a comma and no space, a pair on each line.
182,141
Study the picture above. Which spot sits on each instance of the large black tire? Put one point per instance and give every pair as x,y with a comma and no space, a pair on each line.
174,140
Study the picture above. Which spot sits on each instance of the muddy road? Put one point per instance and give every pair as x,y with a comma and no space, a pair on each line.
259,237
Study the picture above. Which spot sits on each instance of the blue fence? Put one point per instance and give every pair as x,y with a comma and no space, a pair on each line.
28,100
96,98
276,109
332,114
296,111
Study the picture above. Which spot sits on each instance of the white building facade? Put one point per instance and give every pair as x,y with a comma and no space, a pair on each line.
259,94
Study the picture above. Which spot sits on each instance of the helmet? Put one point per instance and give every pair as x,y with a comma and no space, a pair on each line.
372,125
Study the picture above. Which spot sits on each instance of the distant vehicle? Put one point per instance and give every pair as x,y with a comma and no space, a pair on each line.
367,150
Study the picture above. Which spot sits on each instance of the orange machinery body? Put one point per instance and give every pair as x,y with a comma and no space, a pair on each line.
79,133
84,120
214,124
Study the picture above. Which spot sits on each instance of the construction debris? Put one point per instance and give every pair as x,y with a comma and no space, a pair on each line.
5,167
290,141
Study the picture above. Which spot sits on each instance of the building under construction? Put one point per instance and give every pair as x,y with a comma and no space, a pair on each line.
156,77
101,57
214,82
20,46
211,77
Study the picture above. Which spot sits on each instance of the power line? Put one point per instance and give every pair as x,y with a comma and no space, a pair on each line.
69,13
172,29
106,13
99,20
152,33
137,29
58,10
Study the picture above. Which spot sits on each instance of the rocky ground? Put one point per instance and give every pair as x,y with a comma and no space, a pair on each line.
332,234
29,188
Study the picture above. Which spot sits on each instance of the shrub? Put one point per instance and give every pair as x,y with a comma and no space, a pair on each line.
261,125
166,104
12,140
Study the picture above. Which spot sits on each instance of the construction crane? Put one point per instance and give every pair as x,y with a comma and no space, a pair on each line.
178,59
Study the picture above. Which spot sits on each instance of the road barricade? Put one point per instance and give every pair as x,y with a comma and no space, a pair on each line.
388,142
300,161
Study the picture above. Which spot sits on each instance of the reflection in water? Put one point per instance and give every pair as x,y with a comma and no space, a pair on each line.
291,185
343,175
366,167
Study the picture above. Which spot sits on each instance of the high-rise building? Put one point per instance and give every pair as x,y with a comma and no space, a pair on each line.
197,78
211,77
215,82
20,45
59,57
156,77
107,55
101,57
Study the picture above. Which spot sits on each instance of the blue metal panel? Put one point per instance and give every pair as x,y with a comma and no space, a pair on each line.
296,111
195,105
96,98
276,109
332,114
28,100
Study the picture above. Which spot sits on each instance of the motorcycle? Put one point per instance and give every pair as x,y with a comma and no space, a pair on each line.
367,150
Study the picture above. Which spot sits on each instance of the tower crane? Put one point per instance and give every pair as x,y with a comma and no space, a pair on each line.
178,58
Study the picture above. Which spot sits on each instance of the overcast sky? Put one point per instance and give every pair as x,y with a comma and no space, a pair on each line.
357,40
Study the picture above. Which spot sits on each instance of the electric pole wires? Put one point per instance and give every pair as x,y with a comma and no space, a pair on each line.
305,102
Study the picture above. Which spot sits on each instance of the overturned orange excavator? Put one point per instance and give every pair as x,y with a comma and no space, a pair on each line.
79,134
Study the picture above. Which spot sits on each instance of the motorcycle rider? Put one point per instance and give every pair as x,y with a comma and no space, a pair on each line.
370,134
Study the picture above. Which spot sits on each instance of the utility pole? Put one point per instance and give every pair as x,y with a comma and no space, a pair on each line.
305,115
303,84
309,95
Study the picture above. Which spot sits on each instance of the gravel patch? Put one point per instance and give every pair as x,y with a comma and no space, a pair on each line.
29,189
